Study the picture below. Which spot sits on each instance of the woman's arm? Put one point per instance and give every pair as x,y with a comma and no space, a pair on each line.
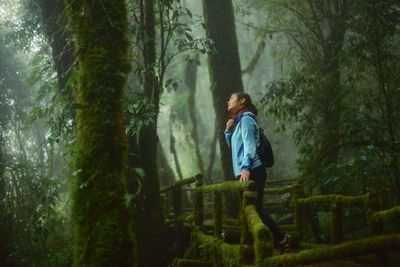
228,131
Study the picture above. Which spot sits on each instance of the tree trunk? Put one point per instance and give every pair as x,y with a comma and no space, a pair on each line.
224,68
57,35
167,176
331,48
172,149
99,210
190,82
149,216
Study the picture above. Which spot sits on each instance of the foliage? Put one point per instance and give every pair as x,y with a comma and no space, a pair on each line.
366,118
176,38
140,113
39,215
34,208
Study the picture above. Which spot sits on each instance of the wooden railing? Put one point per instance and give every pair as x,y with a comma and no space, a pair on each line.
256,239
254,233
334,203
378,243
173,196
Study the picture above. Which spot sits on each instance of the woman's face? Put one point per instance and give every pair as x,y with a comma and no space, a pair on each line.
234,104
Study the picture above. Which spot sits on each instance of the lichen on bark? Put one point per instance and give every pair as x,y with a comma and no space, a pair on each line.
101,219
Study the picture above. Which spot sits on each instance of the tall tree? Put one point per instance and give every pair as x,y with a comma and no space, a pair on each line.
224,68
148,214
101,217
54,26
190,79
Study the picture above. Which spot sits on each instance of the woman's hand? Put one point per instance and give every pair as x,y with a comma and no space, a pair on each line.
229,124
244,176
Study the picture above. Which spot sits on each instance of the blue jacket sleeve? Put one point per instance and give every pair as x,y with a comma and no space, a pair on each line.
248,132
228,136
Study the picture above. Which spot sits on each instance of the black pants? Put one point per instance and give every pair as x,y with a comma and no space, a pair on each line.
259,176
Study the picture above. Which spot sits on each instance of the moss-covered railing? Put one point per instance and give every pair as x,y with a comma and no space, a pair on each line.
372,245
175,192
336,204
281,205
378,244
378,221
254,235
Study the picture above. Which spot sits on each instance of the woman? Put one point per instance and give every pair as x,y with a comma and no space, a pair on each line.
242,136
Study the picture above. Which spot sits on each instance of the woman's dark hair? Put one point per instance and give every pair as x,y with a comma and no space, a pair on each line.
247,102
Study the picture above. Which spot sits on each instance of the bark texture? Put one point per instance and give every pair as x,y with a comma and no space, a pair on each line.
100,214
149,217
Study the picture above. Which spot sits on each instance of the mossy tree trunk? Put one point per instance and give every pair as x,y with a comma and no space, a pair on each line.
148,214
101,218
224,68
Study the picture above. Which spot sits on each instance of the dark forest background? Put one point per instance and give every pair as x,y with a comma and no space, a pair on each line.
102,103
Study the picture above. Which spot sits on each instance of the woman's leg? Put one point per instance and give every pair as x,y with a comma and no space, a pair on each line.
259,175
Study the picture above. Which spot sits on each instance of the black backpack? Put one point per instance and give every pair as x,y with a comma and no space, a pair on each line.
264,151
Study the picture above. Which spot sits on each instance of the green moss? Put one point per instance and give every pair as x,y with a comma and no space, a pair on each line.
101,218
327,199
379,219
229,186
392,214
221,253
345,250
263,242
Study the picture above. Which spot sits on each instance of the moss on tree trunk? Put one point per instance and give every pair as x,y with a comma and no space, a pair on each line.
101,218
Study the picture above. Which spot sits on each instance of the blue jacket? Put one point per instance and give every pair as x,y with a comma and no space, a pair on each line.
243,141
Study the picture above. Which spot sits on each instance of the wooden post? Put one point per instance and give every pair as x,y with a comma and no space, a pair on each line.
164,204
299,212
376,228
198,212
299,219
217,209
337,221
177,202
198,203
246,249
